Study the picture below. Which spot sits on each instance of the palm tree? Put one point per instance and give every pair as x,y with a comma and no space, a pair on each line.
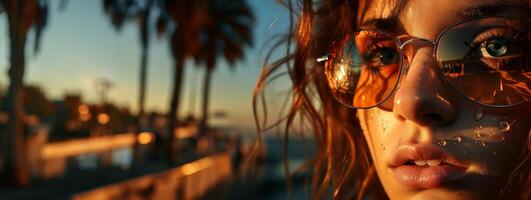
22,15
225,34
181,20
120,11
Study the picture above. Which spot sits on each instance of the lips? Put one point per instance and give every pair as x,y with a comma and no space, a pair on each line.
425,166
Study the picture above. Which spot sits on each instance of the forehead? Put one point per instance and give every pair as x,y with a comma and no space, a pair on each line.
427,18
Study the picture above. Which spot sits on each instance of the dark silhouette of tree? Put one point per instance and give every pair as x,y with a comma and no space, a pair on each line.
139,11
35,102
181,21
22,15
225,34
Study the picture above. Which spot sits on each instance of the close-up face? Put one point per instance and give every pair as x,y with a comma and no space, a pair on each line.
452,123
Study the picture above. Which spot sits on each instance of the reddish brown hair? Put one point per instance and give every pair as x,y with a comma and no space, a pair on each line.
342,166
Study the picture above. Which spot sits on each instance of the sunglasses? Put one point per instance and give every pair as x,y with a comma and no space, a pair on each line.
485,60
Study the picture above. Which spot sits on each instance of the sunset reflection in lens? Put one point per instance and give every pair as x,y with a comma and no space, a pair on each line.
363,69
487,60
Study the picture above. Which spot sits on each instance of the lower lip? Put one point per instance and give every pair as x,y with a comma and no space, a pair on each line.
427,177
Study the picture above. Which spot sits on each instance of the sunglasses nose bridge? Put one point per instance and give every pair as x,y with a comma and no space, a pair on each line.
405,61
408,53
416,40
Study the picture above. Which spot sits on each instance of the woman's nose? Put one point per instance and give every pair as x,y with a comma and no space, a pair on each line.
423,97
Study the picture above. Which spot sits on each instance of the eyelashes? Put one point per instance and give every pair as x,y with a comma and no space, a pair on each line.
498,47
494,33
498,63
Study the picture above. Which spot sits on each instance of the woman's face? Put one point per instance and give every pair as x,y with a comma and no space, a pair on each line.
434,143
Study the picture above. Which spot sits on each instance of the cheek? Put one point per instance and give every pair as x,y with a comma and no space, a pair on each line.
492,141
498,140
377,125
509,142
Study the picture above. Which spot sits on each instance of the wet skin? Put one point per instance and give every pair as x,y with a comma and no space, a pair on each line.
425,112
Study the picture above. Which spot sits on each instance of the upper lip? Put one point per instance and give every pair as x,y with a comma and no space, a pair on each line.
406,153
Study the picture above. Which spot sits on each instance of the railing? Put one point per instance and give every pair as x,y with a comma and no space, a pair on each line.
100,144
83,146
51,159
189,181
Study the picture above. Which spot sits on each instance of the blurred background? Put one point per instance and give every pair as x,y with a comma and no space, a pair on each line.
142,99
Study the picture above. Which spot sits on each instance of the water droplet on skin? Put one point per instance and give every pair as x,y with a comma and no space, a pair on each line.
442,143
478,115
483,144
504,126
480,143
456,139
383,124
502,138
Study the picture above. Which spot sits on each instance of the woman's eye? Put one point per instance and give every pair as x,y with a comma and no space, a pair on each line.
387,56
497,47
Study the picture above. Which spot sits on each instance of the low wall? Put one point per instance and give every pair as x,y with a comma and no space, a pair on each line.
49,159
189,181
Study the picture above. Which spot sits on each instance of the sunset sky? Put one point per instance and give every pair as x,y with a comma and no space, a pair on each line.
80,45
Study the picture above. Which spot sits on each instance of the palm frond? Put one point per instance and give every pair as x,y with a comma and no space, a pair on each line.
40,22
121,11
228,31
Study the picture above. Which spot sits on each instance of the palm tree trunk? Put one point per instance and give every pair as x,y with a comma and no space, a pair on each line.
174,109
142,86
144,42
142,121
206,97
15,169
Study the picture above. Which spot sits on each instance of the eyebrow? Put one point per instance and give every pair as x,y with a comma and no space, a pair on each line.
489,10
390,24
393,24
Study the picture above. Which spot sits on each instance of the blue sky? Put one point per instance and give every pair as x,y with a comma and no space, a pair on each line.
80,45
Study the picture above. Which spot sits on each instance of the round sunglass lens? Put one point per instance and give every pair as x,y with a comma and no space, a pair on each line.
487,60
362,69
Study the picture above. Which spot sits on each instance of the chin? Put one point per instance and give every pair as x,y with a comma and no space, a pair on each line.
443,194
482,187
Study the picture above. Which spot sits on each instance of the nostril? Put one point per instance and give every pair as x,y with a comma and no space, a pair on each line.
432,118
400,118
